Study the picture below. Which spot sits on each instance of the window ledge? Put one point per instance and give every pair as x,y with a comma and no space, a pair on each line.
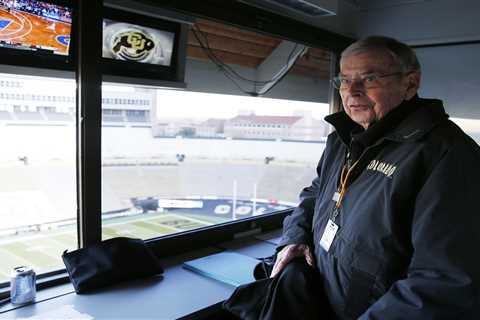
177,293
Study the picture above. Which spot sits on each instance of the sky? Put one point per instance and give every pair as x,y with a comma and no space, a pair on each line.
187,104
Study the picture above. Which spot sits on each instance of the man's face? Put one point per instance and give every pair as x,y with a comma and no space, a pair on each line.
366,103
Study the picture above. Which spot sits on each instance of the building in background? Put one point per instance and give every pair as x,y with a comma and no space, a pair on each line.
300,127
28,101
211,128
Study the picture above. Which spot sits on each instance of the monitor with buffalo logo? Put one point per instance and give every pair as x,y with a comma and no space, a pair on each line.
136,43
137,46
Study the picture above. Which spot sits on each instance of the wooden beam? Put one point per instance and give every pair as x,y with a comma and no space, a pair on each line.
231,45
225,57
236,33
303,68
318,54
310,73
314,64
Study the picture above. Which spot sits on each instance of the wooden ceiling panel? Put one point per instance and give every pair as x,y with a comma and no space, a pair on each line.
231,45
235,33
314,64
225,57
309,72
321,54
249,49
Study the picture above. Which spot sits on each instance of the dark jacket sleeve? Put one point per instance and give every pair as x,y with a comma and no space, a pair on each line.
444,272
297,227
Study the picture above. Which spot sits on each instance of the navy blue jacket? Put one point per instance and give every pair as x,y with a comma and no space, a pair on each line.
409,224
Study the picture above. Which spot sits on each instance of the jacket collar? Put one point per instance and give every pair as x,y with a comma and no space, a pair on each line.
427,114
430,113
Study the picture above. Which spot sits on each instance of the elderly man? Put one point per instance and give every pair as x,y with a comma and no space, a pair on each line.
391,222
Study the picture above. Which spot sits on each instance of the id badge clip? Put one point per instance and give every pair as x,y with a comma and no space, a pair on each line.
328,235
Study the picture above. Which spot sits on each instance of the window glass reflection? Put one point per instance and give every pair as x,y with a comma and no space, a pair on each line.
38,170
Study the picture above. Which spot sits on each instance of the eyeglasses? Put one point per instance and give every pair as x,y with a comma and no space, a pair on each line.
371,80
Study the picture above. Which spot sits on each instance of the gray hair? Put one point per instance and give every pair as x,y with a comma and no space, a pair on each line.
402,54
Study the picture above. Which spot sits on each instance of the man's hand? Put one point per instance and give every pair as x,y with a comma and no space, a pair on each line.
288,253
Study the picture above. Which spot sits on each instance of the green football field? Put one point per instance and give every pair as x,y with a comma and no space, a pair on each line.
43,250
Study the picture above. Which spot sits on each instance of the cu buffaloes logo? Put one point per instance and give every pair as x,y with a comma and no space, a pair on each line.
133,45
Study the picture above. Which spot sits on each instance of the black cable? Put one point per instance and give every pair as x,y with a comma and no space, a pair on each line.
275,84
218,61
230,73
282,76
221,65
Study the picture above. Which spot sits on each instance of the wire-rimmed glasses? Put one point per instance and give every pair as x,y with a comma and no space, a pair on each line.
367,81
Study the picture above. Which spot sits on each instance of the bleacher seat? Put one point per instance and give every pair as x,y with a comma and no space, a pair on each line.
112,118
59,116
131,118
5,115
29,116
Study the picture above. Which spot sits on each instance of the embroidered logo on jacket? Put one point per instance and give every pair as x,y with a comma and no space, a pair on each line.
383,167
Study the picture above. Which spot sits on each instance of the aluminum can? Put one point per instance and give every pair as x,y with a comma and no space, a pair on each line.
22,285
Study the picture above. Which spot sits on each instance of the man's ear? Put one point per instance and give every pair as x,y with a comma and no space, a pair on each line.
413,84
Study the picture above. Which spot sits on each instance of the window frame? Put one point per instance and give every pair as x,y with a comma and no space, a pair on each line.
221,11
88,31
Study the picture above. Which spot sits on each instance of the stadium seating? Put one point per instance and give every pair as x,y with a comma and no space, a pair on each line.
136,118
112,118
59,116
5,115
26,115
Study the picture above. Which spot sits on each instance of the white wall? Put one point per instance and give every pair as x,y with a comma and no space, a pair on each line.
451,73
420,22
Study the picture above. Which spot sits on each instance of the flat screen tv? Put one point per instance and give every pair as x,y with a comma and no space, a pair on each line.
142,47
35,31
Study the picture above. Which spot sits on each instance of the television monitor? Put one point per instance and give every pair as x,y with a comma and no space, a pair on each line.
136,43
142,47
35,28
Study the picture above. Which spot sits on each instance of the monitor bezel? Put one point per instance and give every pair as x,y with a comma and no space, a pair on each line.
139,70
40,59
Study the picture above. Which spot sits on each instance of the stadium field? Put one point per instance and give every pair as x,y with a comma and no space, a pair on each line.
43,251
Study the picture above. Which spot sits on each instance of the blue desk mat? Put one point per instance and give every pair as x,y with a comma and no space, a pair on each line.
229,267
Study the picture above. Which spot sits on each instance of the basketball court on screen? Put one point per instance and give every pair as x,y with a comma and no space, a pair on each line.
26,29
